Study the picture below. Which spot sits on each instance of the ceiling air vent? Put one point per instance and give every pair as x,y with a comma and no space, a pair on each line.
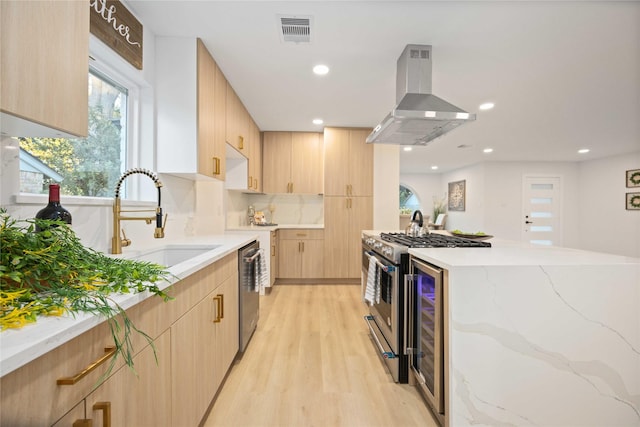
296,29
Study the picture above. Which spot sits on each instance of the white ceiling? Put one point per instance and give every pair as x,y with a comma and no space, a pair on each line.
563,75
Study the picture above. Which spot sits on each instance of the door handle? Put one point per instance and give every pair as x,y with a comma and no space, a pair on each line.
528,222
105,407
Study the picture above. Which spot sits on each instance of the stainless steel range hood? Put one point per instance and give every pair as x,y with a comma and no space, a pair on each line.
419,116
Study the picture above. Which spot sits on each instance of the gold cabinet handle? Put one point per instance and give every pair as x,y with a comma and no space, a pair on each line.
221,306
216,165
108,352
83,423
218,309
273,250
105,407
255,180
250,182
240,142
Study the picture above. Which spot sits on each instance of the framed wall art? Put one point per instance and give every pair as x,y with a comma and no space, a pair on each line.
457,195
633,178
633,202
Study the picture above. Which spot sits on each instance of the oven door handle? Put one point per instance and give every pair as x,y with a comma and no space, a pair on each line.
251,258
384,267
385,354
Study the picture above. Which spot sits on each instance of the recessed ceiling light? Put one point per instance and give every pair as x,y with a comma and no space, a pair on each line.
408,148
488,150
321,70
583,150
434,167
317,121
487,106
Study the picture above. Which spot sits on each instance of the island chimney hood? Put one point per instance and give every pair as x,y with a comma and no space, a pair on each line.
419,116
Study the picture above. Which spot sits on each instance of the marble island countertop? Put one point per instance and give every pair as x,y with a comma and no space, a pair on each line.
538,335
20,346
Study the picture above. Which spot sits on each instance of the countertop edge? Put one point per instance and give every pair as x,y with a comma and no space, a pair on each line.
19,347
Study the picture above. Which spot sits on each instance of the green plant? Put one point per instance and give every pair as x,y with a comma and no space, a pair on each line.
439,206
51,273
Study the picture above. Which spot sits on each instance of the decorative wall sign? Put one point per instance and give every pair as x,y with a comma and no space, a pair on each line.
457,195
633,178
113,24
633,201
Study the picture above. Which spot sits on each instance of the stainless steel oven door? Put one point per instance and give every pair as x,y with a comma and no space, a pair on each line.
383,320
425,330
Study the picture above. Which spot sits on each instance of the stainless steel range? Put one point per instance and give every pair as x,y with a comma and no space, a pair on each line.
385,263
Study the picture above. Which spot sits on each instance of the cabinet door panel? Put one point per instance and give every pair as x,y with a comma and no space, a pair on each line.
227,330
141,398
336,237
276,162
220,121
206,80
307,165
289,259
336,161
312,259
361,163
193,370
44,72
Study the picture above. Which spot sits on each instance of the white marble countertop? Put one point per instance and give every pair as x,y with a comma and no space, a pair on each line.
509,253
20,346
557,321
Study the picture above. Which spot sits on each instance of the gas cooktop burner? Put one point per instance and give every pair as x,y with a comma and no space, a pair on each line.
433,241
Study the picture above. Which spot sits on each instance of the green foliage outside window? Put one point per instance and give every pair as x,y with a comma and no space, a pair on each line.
90,166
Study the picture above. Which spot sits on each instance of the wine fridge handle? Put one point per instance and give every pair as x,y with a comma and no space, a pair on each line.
407,278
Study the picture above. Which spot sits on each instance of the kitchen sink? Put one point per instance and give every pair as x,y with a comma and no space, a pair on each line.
171,255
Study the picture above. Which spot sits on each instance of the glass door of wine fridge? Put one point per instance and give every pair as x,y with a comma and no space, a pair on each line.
425,330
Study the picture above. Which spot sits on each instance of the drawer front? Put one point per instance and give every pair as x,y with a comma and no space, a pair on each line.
301,234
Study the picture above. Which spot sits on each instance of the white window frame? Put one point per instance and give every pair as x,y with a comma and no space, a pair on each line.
107,62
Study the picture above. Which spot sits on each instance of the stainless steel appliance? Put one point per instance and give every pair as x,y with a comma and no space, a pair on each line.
386,318
249,282
418,116
425,331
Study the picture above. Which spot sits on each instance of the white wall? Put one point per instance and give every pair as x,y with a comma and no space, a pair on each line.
604,223
593,192
386,187
426,187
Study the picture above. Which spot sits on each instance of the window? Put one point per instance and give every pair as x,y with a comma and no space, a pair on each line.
408,200
87,166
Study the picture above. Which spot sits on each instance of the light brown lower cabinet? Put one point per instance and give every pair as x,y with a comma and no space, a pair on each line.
129,399
301,254
195,338
205,342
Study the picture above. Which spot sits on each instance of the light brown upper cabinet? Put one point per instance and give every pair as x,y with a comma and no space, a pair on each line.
293,162
255,157
191,109
237,122
348,162
44,63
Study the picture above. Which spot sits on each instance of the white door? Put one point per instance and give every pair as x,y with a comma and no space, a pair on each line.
542,221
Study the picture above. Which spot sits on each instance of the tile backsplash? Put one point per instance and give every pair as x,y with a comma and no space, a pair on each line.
289,208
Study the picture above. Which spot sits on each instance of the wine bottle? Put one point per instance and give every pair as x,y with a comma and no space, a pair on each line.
54,209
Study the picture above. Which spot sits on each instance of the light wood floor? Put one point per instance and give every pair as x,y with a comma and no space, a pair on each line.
311,363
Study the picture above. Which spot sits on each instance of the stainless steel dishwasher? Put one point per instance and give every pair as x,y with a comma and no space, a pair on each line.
249,282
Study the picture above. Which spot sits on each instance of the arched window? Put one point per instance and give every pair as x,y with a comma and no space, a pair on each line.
409,201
